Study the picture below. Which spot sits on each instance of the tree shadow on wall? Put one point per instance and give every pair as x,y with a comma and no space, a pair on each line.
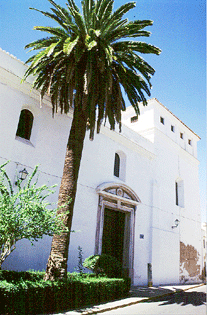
183,298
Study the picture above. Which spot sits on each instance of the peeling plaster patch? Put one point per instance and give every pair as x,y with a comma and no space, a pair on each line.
189,257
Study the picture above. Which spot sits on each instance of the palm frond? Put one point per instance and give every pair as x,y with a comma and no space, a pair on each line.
56,17
79,22
69,45
118,14
72,5
105,10
57,31
42,43
88,7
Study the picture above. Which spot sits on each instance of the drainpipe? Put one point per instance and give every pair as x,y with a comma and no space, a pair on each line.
149,265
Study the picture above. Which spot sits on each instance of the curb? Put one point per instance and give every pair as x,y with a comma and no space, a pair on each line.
141,300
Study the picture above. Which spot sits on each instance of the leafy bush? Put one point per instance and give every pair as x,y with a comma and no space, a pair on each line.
25,213
16,276
24,293
104,265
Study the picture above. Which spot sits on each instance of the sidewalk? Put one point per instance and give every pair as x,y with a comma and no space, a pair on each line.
137,295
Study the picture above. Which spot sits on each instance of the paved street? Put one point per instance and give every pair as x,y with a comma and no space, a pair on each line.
190,302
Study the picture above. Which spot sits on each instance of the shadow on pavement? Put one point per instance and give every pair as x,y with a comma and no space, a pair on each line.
148,292
183,298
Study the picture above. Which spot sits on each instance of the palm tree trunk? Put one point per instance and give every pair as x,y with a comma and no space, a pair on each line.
57,262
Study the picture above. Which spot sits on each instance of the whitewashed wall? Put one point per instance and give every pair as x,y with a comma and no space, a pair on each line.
155,158
176,159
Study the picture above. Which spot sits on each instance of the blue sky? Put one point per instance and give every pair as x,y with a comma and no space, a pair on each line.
179,29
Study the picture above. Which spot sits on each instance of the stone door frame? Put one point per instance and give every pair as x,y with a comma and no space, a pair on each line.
118,197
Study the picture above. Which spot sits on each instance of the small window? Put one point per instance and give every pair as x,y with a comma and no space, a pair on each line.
172,128
119,169
204,244
189,141
181,135
134,119
162,120
176,193
179,193
24,128
116,165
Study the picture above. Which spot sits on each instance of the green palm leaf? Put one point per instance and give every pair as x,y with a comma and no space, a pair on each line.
79,22
105,9
69,45
72,5
42,43
56,17
57,31
118,14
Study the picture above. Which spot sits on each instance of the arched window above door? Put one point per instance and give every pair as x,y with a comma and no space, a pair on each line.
116,165
120,165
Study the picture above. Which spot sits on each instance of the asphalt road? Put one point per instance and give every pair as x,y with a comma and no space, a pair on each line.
191,302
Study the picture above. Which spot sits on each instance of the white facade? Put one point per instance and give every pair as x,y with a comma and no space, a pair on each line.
157,183
204,248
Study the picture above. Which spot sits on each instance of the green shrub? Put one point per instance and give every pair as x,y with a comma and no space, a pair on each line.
25,212
16,276
24,293
104,265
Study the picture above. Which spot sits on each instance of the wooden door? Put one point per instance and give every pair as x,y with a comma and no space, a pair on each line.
113,233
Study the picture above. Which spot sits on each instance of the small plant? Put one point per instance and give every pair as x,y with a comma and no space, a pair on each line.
104,265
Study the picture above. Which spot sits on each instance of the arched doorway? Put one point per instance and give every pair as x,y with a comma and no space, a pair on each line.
115,223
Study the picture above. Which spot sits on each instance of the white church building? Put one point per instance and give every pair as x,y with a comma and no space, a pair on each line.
143,180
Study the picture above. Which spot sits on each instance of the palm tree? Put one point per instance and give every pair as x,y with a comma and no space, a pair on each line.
84,65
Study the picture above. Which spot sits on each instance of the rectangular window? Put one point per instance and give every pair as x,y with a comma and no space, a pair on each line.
176,193
116,165
204,244
189,142
179,193
181,135
162,120
172,128
134,119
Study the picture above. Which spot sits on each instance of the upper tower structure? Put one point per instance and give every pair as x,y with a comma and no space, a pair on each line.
154,119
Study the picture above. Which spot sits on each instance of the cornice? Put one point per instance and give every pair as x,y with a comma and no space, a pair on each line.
130,144
174,116
13,81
